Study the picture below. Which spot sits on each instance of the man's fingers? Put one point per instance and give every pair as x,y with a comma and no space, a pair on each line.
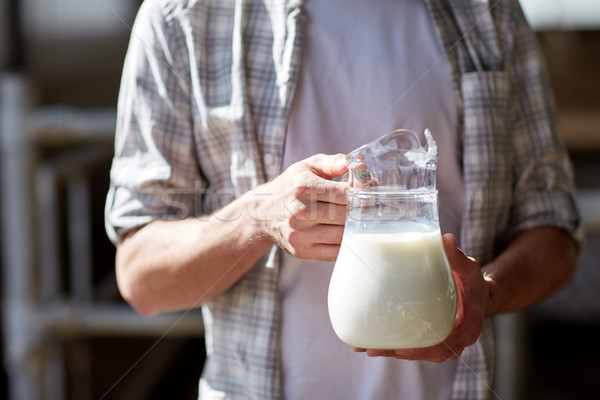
458,260
328,166
437,353
334,192
450,247
307,218
321,213
328,234
325,252
319,241
311,188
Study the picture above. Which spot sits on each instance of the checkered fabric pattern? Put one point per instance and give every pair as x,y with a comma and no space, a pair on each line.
206,92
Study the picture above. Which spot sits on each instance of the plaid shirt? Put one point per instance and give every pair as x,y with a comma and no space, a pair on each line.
203,108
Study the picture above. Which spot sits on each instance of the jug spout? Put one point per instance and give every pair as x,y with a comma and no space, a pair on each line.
395,162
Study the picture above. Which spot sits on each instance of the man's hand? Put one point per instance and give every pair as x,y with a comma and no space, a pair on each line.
473,298
173,265
303,210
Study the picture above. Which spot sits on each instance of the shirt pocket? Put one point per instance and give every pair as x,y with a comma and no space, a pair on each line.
486,122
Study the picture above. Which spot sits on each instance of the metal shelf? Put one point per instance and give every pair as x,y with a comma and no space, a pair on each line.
50,285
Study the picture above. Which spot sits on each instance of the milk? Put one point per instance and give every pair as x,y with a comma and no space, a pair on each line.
392,290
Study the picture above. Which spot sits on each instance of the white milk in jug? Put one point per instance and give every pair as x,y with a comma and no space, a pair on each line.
392,290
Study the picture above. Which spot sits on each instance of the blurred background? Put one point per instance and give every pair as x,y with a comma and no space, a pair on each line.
67,334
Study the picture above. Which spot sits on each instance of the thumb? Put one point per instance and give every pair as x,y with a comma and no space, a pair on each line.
450,246
461,264
455,256
457,264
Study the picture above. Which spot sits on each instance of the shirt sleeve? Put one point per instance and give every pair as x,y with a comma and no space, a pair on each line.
544,191
155,173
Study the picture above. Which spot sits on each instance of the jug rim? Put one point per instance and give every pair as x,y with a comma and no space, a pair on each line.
382,138
397,160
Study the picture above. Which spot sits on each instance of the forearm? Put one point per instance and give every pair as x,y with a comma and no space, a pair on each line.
537,263
172,265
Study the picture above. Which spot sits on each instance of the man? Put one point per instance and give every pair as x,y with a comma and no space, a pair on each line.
222,108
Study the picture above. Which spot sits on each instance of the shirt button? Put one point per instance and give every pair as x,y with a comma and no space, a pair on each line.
278,132
269,159
296,3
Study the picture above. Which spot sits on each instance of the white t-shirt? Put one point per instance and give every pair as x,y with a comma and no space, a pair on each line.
368,67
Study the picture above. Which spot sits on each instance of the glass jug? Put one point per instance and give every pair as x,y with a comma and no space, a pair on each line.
392,286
